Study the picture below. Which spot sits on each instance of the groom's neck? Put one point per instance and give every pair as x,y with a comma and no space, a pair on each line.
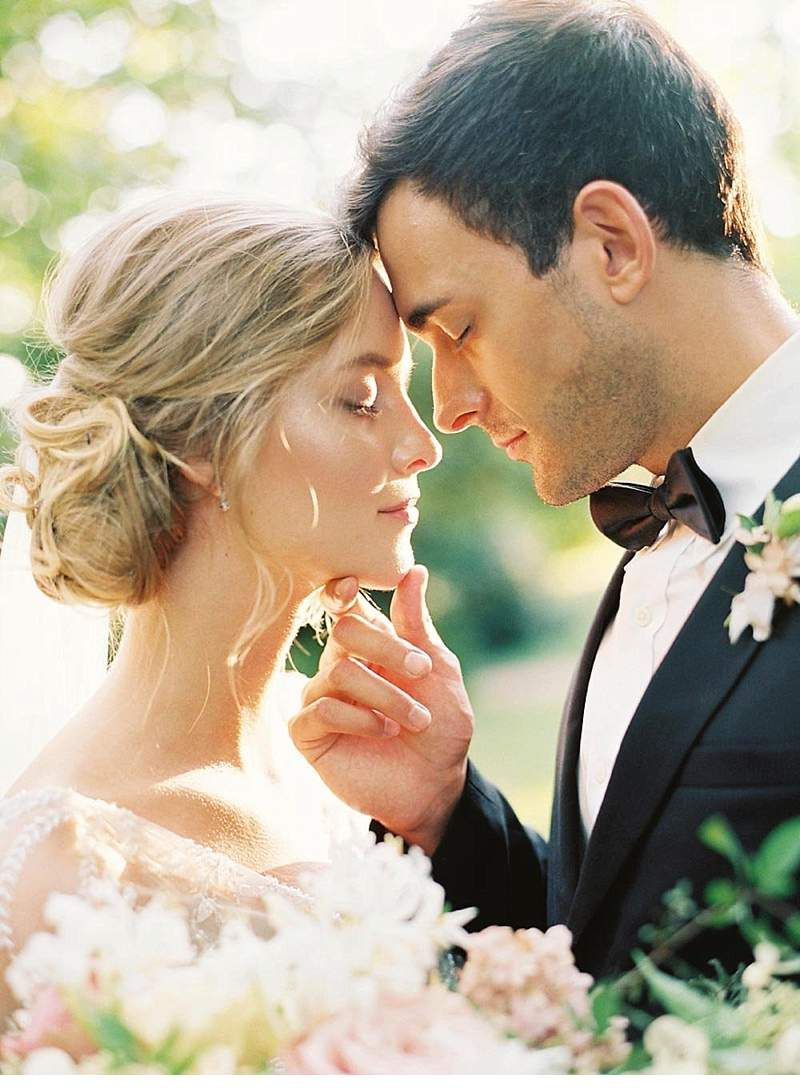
722,321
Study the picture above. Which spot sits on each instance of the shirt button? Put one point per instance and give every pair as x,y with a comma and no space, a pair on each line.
643,616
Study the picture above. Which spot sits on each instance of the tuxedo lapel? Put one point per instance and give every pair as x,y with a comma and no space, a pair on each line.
566,835
697,673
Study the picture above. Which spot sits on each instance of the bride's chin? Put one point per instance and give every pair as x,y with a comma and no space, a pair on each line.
386,577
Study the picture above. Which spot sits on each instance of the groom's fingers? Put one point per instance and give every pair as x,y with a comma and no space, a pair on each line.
354,682
322,719
355,637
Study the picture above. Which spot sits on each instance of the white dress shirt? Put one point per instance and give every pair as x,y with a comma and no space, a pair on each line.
746,447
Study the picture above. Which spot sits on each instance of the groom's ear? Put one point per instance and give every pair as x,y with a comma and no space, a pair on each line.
615,237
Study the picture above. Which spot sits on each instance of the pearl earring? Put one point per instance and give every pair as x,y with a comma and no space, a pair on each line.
223,500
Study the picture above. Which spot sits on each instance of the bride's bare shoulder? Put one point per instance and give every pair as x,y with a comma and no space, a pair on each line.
38,856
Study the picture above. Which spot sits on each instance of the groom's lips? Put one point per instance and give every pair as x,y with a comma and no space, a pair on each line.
509,444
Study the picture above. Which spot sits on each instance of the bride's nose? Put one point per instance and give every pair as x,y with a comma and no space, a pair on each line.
416,450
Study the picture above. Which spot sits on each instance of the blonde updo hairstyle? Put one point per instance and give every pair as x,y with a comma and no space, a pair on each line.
182,322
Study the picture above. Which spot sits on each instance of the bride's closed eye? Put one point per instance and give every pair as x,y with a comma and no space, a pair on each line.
363,409
364,401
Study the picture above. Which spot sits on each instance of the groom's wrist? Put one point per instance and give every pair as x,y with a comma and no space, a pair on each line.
429,832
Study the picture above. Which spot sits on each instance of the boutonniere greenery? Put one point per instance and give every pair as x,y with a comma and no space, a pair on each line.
773,556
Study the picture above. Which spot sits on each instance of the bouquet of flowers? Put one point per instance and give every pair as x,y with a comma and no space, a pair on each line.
745,1022
362,979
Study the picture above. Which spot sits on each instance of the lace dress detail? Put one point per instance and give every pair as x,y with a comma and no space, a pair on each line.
114,844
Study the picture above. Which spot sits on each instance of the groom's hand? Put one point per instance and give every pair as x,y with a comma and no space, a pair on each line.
387,721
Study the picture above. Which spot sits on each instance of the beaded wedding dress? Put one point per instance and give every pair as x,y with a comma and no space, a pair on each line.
113,844
106,842
55,839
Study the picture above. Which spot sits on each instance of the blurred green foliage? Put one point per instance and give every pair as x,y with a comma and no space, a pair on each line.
99,100
60,160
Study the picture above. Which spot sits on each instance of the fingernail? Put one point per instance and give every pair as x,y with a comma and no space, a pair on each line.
419,716
416,663
346,589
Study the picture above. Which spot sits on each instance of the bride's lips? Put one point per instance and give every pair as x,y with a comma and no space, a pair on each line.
405,512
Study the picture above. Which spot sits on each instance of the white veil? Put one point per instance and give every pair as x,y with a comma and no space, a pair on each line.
52,657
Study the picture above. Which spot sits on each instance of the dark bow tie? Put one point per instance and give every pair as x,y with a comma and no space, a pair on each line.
633,515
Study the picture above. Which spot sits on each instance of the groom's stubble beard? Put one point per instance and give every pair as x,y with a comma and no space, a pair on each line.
607,411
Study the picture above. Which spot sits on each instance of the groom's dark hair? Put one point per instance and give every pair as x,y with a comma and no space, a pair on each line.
532,99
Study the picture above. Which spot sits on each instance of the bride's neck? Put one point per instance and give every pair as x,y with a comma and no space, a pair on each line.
172,682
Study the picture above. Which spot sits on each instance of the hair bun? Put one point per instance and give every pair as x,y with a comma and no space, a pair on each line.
100,503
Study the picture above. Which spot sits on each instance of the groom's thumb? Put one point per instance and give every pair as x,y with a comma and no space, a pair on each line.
409,610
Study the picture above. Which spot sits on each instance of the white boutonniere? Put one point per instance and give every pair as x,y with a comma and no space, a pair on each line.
773,556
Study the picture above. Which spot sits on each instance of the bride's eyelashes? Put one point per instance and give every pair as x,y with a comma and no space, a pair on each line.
363,398
362,409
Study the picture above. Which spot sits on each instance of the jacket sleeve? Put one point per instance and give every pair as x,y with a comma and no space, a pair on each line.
487,859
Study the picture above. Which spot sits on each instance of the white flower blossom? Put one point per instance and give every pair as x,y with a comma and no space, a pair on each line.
48,1060
96,942
754,607
219,1059
786,1056
759,974
754,536
377,925
774,571
676,1047
778,564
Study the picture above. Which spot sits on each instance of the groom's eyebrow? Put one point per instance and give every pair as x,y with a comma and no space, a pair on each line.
418,318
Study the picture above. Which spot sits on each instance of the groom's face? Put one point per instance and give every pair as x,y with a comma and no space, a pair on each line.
544,358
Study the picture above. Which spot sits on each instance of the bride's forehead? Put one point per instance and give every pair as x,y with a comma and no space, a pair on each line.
379,333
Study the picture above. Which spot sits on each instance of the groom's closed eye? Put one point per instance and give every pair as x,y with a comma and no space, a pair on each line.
463,337
421,315
419,320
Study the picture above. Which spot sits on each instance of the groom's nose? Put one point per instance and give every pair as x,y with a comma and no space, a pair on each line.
458,399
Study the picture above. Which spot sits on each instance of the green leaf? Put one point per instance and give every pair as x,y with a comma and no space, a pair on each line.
678,998
721,893
180,1066
778,859
605,1004
111,1034
717,834
772,512
758,930
788,524
684,1001
746,521
723,917
792,928
163,1054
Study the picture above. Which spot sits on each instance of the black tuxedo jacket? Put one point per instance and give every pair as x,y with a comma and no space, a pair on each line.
717,731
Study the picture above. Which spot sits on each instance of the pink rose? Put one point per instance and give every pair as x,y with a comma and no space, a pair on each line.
435,1032
49,1024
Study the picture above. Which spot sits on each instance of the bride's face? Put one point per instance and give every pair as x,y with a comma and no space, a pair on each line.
347,447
